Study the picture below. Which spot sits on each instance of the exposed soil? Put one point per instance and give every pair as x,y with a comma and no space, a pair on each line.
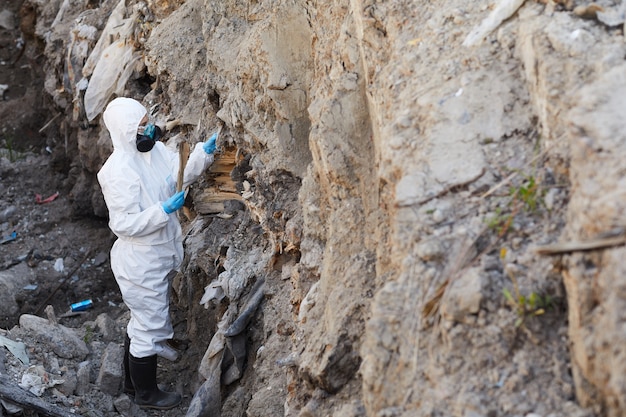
48,231
64,256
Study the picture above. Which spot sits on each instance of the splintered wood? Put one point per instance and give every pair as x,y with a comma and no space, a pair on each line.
221,186
183,156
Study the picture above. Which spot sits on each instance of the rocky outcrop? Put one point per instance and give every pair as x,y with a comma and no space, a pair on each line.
395,183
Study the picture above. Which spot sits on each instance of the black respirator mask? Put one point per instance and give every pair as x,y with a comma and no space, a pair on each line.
146,140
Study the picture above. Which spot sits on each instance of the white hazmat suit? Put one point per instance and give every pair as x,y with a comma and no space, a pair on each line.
149,244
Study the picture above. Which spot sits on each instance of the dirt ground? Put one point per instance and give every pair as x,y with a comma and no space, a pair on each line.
496,341
66,255
45,231
49,232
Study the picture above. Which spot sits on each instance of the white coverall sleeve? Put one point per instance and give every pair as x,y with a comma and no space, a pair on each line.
126,219
197,163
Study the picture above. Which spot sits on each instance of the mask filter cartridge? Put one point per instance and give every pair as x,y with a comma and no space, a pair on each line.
147,139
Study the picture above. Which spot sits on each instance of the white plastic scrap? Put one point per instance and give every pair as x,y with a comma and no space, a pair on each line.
110,64
58,265
504,10
107,76
113,27
213,291
18,349
36,380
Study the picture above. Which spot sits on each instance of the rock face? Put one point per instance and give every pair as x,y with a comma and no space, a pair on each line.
394,184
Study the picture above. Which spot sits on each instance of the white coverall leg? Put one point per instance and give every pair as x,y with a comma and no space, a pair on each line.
149,245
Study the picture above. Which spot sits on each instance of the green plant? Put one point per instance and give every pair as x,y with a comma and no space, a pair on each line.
88,334
525,196
530,305
501,221
528,193
9,151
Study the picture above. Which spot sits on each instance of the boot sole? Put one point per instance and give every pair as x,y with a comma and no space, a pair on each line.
154,407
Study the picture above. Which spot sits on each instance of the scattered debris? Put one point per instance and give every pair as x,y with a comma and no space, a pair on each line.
81,305
18,349
13,393
58,265
36,380
9,238
40,200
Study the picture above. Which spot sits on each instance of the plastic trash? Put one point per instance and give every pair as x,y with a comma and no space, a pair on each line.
40,200
36,380
114,26
110,64
58,265
18,349
8,238
81,305
112,70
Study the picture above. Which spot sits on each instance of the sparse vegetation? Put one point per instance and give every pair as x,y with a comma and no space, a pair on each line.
525,305
528,193
526,196
89,331
8,150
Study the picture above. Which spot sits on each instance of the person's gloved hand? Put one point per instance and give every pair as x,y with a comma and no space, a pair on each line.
174,202
209,145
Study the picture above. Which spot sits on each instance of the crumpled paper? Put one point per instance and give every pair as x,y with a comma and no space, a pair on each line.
36,380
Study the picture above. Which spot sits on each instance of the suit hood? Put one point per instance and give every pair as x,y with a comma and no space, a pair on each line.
122,117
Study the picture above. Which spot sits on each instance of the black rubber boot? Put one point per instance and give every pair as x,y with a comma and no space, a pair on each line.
147,394
129,389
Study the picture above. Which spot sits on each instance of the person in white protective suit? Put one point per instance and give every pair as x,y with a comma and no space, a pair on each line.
139,186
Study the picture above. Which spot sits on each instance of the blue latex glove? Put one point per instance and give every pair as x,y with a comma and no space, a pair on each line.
174,202
209,145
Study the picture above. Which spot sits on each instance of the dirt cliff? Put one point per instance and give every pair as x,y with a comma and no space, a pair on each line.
417,208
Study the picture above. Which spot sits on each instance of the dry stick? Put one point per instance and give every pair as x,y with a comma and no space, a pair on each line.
49,123
561,248
68,276
12,393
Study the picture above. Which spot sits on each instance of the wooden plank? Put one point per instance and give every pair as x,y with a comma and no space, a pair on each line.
183,156
11,392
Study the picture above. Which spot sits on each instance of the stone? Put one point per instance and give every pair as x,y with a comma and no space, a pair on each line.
63,341
7,213
430,250
83,378
7,20
107,327
70,383
463,296
110,377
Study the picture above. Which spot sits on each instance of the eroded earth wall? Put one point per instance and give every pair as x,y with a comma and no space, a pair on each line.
400,188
